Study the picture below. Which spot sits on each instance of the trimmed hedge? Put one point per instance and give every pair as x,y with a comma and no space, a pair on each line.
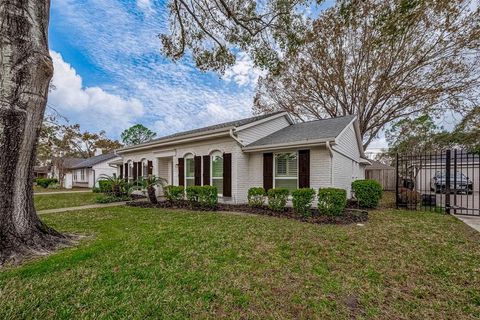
202,196
277,198
45,182
302,201
110,198
174,194
332,201
256,197
367,192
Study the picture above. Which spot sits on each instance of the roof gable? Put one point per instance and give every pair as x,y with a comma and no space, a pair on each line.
90,162
324,129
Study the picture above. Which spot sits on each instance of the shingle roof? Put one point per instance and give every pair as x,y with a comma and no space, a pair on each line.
236,123
88,163
377,165
304,131
69,163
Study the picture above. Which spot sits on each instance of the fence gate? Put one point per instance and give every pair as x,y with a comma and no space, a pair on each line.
446,181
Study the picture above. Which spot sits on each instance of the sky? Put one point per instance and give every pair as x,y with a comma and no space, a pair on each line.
110,74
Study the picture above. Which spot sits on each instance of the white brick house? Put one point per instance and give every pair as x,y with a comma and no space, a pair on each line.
268,150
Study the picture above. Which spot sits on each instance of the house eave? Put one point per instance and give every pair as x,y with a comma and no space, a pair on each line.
289,145
178,140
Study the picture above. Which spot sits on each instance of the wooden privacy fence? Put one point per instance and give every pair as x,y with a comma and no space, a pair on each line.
382,173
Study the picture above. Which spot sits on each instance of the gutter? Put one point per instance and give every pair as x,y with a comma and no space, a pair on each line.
176,140
234,137
305,143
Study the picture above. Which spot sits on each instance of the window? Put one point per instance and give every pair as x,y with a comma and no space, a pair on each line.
189,170
130,169
216,171
82,175
144,168
286,171
75,175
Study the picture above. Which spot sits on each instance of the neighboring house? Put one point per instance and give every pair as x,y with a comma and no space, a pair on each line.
41,171
383,173
86,173
268,150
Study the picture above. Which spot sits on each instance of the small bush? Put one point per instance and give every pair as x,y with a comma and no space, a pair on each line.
174,194
202,196
332,201
96,190
105,186
45,182
302,200
256,197
110,199
277,198
367,192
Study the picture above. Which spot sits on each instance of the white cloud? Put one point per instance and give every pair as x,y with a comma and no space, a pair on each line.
145,5
244,71
93,107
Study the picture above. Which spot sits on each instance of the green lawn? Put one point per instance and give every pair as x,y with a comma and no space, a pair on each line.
64,200
152,263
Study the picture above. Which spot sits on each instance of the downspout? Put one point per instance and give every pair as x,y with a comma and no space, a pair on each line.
330,151
235,137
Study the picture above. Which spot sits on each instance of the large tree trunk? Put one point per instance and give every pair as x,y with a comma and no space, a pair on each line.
25,72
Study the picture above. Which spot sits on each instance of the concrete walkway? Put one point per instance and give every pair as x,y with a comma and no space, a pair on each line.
90,206
472,221
60,192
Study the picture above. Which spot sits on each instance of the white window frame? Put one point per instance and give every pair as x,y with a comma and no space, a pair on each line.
130,170
187,157
144,168
212,155
82,175
275,168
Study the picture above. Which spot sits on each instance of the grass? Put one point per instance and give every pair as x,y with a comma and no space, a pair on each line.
152,263
64,200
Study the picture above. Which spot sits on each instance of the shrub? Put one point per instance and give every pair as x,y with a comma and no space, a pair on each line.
302,200
45,182
111,198
105,186
332,201
202,196
277,198
208,197
54,185
256,197
367,192
174,194
96,190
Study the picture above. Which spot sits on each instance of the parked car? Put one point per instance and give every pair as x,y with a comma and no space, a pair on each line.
462,183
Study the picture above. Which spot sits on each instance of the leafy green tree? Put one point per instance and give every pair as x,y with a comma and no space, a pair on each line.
137,134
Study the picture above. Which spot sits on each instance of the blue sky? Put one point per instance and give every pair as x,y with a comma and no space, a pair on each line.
110,74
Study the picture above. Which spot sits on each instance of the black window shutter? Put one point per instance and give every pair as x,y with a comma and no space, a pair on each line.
227,174
181,171
304,168
198,170
267,171
139,169
121,172
126,171
150,167
206,170
135,170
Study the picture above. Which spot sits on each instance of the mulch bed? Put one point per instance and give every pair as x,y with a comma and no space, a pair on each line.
349,216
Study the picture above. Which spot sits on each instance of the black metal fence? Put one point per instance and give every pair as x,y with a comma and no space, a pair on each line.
446,181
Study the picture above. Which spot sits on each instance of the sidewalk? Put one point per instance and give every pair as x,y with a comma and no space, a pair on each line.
91,206
472,221
60,192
